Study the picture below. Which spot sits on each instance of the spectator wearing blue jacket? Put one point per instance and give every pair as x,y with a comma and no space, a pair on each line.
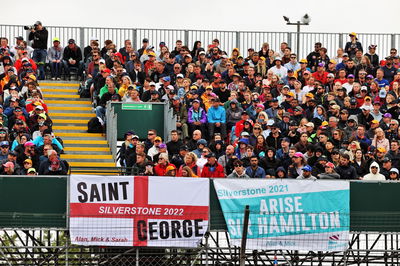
255,171
216,117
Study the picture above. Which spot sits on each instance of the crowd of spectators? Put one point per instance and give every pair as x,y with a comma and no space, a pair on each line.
28,145
263,114
256,113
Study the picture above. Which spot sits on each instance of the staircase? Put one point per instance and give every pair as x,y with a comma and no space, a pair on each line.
70,115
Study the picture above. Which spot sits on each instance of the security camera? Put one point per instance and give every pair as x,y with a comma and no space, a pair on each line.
306,19
286,19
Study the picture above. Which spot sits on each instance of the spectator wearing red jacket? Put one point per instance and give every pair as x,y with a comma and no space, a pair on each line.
212,168
163,162
19,63
321,75
239,126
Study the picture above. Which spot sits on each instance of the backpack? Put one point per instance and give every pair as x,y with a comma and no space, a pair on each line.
95,126
83,90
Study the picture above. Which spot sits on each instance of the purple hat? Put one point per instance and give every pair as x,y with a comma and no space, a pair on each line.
162,146
369,77
322,64
388,115
350,76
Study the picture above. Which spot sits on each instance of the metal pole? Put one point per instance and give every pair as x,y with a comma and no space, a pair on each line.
298,39
244,236
137,257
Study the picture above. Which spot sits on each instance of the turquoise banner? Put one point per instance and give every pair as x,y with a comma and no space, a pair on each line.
287,214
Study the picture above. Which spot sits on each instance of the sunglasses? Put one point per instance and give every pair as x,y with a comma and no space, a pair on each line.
150,134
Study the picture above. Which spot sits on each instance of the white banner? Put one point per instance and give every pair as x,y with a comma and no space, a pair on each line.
287,214
138,211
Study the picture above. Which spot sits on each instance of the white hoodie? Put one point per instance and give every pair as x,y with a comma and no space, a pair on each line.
372,176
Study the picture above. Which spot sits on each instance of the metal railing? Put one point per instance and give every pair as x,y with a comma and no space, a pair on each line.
228,39
111,128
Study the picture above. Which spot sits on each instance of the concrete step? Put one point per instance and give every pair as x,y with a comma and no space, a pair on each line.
73,115
67,104
86,153
60,96
86,149
60,92
86,157
73,101
57,89
80,128
83,135
69,121
71,108
92,164
80,142
58,84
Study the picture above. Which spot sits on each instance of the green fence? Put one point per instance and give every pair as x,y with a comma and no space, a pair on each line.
27,202
140,117
41,202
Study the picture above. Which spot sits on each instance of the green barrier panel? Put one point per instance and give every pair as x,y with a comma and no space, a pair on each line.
140,118
27,202
217,220
375,206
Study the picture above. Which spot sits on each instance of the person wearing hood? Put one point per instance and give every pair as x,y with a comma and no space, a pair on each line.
280,172
374,173
329,172
201,143
394,174
239,170
306,173
233,113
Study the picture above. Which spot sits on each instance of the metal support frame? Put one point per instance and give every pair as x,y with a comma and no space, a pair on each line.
52,247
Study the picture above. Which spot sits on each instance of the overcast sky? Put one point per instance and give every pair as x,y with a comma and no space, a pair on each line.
251,15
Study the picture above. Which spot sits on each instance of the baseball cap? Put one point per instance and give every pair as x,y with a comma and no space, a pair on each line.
157,138
330,165
375,122
303,61
331,75
145,40
211,154
298,155
8,164
29,144
56,39
28,161
71,41
179,76
152,83
4,143
102,61
170,168
310,124
202,141
394,170
162,146
387,115
307,168
243,140
291,94
31,170
350,76
381,149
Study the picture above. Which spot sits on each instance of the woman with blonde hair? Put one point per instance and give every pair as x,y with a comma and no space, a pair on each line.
380,141
187,172
185,87
190,161
123,89
261,67
352,149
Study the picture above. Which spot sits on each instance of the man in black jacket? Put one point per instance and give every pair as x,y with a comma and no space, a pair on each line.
38,36
72,57
345,170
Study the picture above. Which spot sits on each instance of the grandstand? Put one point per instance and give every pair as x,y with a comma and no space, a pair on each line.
168,103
